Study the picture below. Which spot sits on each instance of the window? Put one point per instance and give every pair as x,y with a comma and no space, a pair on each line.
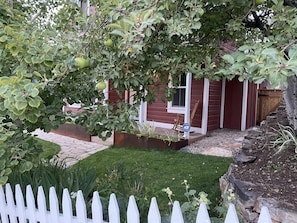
177,105
178,99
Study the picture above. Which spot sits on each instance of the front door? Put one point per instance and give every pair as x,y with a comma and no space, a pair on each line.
233,104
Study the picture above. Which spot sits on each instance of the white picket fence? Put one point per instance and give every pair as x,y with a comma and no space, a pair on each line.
15,209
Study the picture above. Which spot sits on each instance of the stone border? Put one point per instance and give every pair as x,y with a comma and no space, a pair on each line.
250,200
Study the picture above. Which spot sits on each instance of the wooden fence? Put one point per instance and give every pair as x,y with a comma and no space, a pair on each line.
15,209
268,101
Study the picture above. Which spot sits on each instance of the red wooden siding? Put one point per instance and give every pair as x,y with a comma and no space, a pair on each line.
251,105
113,95
233,104
197,94
214,106
157,111
73,110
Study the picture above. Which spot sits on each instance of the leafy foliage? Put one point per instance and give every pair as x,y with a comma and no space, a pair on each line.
138,46
286,137
55,174
270,56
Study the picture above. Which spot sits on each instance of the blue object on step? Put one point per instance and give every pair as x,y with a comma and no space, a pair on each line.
186,127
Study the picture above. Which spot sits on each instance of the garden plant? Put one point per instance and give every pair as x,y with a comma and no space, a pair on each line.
125,172
55,51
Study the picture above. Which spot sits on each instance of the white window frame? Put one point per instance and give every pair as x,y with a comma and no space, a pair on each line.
176,109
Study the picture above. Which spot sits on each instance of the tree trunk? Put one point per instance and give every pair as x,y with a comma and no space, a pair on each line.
290,97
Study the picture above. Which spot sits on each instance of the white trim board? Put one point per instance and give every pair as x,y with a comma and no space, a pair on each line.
169,126
204,121
244,104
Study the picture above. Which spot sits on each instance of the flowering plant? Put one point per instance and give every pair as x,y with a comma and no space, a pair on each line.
228,197
190,207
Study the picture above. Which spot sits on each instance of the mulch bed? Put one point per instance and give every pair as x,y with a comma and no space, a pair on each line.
276,174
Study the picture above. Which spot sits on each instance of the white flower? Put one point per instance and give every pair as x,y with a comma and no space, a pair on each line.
73,195
167,191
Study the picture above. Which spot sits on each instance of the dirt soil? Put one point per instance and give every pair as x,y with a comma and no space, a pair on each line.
276,174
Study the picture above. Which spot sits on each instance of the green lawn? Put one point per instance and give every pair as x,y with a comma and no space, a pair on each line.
49,149
161,169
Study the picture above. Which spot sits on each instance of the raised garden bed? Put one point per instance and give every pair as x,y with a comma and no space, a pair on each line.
73,130
123,139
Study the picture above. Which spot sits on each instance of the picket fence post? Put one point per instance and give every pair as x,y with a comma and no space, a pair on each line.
132,211
202,215
20,205
264,216
177,216
231,215
3,214
54,205
13,209
113,210
97,210
67,206
154,213
41,203
31,207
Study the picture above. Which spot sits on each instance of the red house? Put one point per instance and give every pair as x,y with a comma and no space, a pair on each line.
222,104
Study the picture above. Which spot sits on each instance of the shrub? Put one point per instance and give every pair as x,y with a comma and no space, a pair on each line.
124,183
55,174
285,138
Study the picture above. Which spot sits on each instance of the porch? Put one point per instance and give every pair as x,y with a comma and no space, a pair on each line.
193,136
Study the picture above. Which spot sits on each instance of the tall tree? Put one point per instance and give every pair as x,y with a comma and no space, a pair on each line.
50,51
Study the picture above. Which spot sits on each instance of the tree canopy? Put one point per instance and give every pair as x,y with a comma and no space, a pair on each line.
137,45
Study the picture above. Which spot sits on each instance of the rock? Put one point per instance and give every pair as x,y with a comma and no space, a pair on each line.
248,214
277,211
224,184
247,145
247,192
242,158
253,133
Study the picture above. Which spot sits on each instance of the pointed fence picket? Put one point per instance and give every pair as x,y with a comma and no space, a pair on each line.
15,208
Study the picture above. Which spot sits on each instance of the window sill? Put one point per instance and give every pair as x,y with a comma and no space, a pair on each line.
176,110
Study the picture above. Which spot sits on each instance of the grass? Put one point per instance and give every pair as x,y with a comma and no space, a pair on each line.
161,169
49,149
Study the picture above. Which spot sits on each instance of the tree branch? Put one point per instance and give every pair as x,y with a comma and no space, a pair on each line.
256,23
290,3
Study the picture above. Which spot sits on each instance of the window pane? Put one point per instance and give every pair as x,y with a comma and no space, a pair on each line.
183,80
182,98
179,97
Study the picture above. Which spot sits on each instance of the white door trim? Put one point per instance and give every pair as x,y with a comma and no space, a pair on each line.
223,98
205,106
244,104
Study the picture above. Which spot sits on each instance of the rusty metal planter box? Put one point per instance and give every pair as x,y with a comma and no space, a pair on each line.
74,131
130,140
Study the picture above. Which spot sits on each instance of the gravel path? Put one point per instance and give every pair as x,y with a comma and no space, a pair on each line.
220,142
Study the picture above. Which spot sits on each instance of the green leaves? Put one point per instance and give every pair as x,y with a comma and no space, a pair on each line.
270,51
228,58
20,105
25,166
34,102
